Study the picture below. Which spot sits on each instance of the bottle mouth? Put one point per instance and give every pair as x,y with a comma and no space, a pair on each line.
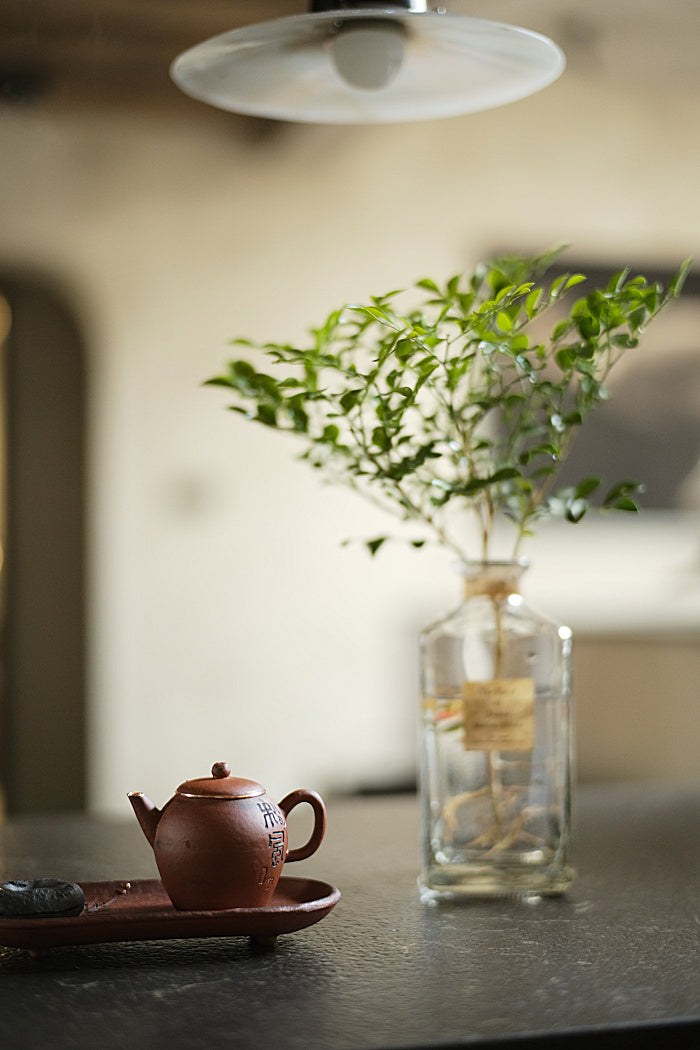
473,567
492,579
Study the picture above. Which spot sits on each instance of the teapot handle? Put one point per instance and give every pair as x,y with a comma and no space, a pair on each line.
316,802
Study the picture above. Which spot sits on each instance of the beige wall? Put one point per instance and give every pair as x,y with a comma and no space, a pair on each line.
225,619
637,707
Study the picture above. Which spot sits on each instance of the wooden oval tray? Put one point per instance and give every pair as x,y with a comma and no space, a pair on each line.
141,911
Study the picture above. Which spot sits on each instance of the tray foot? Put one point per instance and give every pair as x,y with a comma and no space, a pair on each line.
38,953
263,944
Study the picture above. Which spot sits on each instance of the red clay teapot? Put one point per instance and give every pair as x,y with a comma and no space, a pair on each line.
220,842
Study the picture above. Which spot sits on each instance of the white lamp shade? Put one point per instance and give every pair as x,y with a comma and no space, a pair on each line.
380,65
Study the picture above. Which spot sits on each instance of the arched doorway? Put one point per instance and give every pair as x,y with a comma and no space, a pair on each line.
42,703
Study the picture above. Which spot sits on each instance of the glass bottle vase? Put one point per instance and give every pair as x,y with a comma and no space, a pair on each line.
496,743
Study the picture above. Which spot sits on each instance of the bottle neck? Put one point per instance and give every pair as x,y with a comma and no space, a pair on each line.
492,579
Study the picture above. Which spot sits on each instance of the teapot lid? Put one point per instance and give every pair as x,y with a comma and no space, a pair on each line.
221,785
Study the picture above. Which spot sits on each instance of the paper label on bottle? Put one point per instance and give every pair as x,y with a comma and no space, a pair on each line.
499,714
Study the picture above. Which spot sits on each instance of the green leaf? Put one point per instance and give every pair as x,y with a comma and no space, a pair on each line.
586,487
380,438
374,545
379,300
267,415
349,400
573,419
589,327
676,283
626,504
621,493
504,474
243,369
565,357
532,301
503,292
331,433
576,510
617,281
477,484
404,349
576,278
224,381
539,450
624,341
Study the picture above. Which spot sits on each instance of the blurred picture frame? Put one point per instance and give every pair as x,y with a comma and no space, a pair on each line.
634,573
649,430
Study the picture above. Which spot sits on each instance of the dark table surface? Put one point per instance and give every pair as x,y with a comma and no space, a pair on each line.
615,963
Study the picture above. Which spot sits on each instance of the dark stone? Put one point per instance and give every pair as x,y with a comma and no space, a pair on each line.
40,899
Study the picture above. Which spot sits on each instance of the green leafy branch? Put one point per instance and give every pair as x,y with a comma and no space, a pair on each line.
459,402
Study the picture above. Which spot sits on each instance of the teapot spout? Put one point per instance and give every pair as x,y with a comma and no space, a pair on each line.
147,814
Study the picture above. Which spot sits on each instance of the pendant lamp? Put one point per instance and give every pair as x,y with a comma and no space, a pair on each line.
365,62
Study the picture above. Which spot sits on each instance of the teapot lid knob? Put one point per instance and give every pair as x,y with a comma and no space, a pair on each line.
220,785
